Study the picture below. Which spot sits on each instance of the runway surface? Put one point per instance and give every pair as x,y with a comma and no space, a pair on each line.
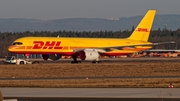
88,94
95,94
111,60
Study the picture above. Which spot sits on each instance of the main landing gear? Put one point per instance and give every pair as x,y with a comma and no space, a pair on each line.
75,60
94,62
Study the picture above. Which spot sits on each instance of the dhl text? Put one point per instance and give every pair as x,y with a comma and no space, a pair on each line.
47,45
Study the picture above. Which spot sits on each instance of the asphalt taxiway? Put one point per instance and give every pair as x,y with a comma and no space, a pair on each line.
88,94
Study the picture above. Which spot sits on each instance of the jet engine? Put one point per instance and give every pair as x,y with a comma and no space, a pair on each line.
51,56
89,55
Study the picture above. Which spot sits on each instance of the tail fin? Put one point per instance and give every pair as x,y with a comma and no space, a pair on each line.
142,31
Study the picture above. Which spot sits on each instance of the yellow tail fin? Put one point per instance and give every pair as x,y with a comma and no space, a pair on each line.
142,31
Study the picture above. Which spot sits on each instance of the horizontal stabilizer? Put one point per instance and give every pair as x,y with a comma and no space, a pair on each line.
161,43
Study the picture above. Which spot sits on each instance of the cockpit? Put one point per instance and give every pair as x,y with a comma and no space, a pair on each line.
17,43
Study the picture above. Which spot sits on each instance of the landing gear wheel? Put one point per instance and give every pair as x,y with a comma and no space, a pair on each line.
99,62
75,62
94,62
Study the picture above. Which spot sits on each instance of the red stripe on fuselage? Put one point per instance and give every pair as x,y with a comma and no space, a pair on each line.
72,53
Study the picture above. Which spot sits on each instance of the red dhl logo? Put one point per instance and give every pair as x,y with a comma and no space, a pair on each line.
142,30
47,45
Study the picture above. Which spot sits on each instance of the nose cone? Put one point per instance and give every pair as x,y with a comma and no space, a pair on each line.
11,48
16,48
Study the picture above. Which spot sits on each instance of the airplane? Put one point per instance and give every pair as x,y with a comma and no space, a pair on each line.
89,49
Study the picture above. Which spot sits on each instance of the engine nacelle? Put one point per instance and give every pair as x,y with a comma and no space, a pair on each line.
89,55
51,56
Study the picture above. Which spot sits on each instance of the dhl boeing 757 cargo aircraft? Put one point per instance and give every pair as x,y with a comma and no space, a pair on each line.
88,48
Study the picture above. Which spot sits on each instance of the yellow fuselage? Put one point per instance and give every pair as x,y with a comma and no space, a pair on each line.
65,46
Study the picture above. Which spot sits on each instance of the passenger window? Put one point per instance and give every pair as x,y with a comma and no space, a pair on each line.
17,43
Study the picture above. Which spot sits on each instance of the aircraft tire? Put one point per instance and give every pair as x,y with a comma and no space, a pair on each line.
21,62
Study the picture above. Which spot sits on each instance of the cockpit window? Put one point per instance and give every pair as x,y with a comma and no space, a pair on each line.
17,43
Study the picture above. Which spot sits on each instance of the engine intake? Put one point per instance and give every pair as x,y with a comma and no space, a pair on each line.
89,55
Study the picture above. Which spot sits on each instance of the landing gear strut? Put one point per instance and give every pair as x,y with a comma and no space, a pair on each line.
75,60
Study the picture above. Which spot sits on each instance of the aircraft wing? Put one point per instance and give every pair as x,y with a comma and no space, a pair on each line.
162,50
133,46
107,49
